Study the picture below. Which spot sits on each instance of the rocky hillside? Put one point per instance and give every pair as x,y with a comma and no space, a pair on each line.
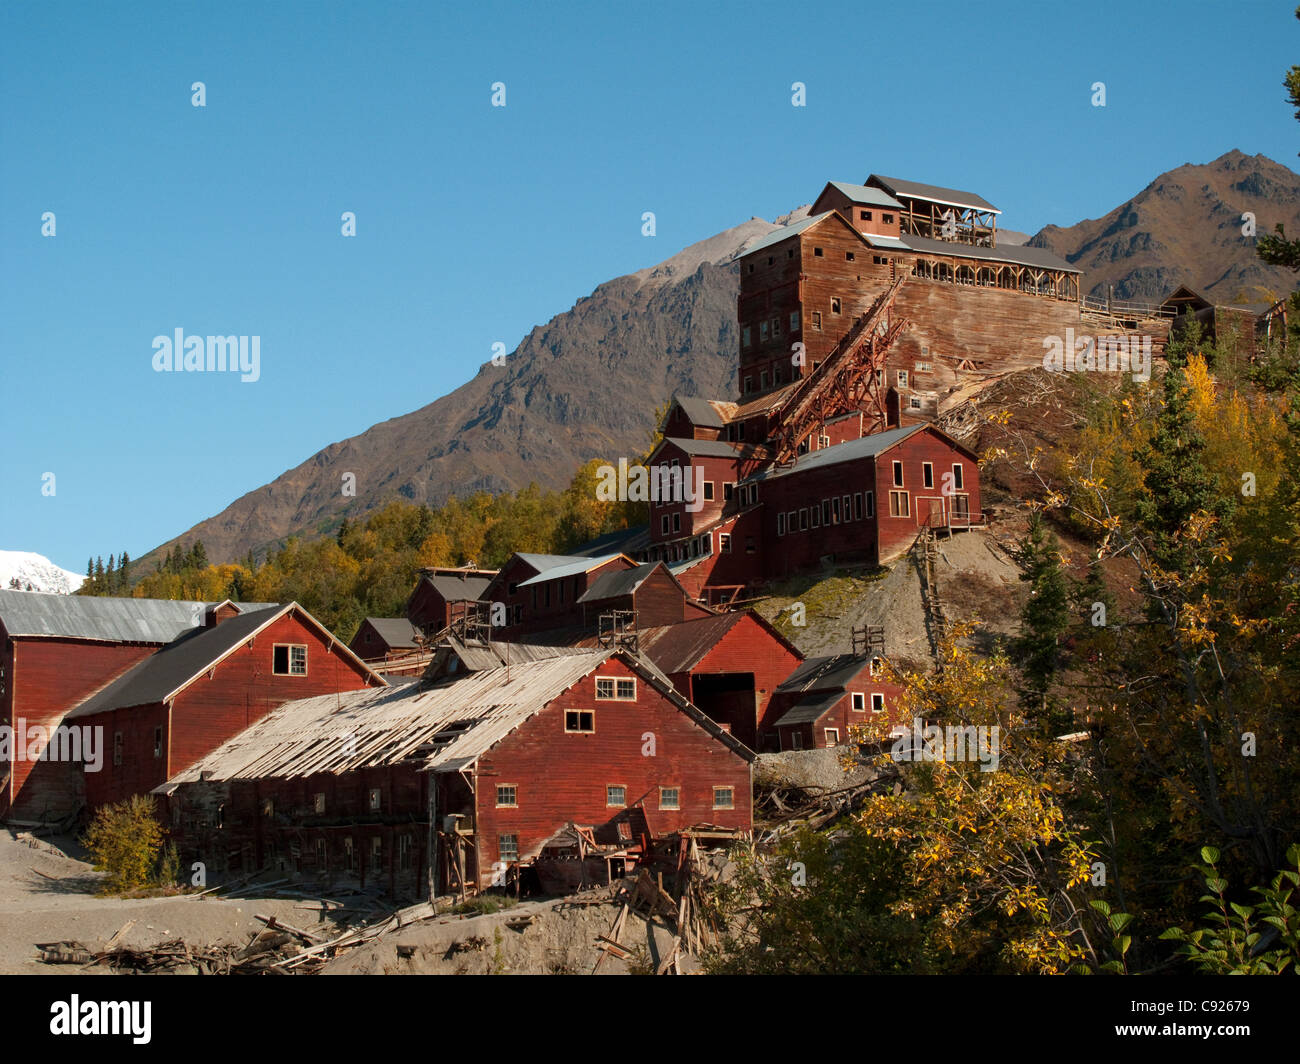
585,384
1185,228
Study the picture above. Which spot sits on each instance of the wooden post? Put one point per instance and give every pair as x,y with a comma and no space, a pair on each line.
433,838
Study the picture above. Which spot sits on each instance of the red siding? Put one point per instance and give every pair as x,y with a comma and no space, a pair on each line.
562,776
44,679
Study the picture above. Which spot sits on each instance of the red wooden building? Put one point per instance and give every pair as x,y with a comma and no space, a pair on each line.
823,699
55,652
187,698
438,592
382,639
730,666
497,760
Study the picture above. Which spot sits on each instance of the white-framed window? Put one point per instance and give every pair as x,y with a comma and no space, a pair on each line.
871,503
579,720
794,321
927,474
848,507
507,848
615,795
796,740
289,659
902,378
826,511
376,798
859,702
708,491
914,402
898,474
724,798
792,521
832,736
724,542
507,795
835,510
728,489
956,476
923,367
816,516
670,798
858,511
899,504
877,702
616,688
817,320
803,519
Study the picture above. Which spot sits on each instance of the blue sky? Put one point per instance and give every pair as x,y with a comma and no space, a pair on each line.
476,223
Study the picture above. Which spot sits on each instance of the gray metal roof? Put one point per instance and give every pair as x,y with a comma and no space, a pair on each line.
865,447
810,709
876,197
785,233
626,540
1017,255
700,411
172,667
833,673
395,631
708,448
619,582
953,197
541,562
458,588
568,566
114,620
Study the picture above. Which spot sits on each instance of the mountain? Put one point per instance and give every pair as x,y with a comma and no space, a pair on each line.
583,385
35,572
1185,228
587,382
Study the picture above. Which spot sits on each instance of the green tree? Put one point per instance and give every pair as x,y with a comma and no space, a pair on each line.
124,840
1276,248
1044,619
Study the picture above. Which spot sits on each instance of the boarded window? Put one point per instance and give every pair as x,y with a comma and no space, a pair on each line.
899,505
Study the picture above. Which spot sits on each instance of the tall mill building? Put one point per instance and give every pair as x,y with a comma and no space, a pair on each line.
860,325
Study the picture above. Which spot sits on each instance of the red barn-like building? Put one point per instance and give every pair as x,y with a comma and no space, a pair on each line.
822,700
500,759
186,699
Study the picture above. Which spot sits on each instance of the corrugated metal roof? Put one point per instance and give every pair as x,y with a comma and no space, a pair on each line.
459,588
833,673
619,582
116,620
864,194
626,540
1016,255
680,647
709,448
176,665
545,561
889,243
953,197
570,566
153,679
812,708
777,235
700,411
443,728
842,452
395,631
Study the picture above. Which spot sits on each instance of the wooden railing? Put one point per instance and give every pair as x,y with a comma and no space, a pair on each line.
1125,309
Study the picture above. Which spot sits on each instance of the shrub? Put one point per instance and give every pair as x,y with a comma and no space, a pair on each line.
124,840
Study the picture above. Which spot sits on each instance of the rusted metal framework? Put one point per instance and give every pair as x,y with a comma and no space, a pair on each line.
850,378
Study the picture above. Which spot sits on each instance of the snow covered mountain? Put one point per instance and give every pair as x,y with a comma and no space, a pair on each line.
35,572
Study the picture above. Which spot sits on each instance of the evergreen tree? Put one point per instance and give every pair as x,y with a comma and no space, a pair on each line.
1277,249
198,557
99,576
1044,619
90,574
124,572
1178,484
